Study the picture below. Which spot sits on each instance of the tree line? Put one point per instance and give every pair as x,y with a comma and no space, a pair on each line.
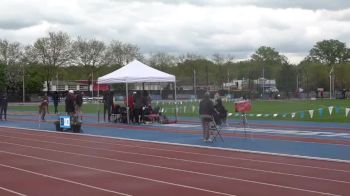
58,56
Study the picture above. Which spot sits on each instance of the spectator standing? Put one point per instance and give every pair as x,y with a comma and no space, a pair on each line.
79,104
206,111
3,106
70,103
107,105
56,100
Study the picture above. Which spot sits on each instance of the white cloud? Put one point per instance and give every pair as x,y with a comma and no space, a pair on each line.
199,26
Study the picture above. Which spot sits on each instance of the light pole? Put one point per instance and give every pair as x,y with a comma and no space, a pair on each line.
23,88
330,82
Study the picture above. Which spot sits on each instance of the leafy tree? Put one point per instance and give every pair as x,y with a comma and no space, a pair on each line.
287,78
269,60
268,55
3,83
329,52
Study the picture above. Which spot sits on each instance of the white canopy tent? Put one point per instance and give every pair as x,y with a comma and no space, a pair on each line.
136,72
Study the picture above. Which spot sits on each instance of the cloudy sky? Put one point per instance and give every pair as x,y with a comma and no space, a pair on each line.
236,27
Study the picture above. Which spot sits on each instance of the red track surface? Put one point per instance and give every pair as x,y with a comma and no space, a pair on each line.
48,163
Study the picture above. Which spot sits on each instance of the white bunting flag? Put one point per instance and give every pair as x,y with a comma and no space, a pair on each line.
347,111
275,115
193,108
293,114
185,109
330,109
311,112
258,115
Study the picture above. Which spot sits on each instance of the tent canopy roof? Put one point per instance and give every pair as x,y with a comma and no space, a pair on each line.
135,72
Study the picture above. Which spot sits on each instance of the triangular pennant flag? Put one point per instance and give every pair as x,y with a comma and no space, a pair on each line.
320,111
293,114
266,115
284,115
337,109
330,109
193,108
311,112
237,114
185,109
302,114
258,115
347,111
275,115
251,115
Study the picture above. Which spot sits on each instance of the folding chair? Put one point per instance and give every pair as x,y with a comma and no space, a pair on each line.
215,130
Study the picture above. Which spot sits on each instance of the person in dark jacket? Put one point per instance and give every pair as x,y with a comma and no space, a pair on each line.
70,103
79,104
56,100
220,117
3,106
206,111
107,105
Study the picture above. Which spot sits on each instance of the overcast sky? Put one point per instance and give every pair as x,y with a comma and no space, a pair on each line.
236,27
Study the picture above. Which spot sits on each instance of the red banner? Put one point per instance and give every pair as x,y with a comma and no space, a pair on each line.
243,106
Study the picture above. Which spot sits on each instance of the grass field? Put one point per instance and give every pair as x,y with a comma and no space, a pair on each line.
265,109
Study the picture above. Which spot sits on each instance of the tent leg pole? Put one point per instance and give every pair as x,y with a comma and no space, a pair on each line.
127,102
175,101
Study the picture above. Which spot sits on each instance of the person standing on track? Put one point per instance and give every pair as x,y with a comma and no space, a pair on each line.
44,107
206,111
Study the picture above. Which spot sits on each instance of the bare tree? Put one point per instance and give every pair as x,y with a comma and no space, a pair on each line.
89,53
162,60
52,51
122,53
11,55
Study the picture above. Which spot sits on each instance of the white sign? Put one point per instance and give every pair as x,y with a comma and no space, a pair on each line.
65,122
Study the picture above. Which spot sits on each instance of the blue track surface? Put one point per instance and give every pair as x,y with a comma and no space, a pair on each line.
188,131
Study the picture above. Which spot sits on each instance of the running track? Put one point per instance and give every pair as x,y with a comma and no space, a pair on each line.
52,163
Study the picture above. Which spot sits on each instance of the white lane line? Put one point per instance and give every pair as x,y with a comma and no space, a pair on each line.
12,191
194,153
142,164
175,159
48,132
60,179
116,173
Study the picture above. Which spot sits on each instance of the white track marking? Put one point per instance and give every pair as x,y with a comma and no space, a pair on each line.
116,173
187,171
57,178
190,145
179,159
201,154
12,191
